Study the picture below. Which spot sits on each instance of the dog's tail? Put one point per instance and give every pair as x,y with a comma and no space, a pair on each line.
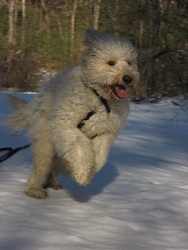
16,103
20,119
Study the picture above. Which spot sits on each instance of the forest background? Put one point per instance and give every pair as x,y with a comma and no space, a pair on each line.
42,37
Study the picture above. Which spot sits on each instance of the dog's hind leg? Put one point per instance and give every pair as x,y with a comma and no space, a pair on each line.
43,155
52,181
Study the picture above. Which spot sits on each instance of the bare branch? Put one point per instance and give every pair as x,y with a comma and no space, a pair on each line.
161,53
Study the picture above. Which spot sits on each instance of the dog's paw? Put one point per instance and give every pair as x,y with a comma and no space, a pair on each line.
36,193
52,184
55,186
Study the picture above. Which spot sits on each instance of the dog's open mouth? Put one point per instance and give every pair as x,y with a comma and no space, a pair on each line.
120,91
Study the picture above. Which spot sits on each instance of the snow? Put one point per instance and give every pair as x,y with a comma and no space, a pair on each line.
139,200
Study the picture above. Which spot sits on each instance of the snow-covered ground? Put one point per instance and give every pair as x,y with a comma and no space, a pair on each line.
138,201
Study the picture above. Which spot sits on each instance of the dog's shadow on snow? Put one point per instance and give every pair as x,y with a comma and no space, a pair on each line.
84,193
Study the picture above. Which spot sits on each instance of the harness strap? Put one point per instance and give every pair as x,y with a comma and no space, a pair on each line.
81,124
103,101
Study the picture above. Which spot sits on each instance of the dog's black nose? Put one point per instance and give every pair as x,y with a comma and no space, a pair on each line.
127,79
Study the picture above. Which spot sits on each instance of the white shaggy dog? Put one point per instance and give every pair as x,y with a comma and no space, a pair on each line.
75,118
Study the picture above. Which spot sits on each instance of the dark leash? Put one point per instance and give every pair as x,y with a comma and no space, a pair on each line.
12,151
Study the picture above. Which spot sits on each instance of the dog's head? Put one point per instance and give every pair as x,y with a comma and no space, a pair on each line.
109,64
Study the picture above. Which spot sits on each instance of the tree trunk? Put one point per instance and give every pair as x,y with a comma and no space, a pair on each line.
23,9
96,11
23,20
47,21
11,41
11,38
140,34
73,27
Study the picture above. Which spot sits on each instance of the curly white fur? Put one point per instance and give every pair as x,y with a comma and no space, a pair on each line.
61,104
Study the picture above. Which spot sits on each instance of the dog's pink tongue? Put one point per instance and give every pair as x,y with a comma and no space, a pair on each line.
121,92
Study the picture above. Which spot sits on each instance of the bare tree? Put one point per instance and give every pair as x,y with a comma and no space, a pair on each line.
96,11
73,16
11,37
23,19
23,9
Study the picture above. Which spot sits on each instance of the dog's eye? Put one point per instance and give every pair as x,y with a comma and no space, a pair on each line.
111,63
129,63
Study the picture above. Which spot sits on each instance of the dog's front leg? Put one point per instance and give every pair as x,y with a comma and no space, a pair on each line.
75,150
102,145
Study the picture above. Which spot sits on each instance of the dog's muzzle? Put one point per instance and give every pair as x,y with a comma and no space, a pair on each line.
120,89
127,79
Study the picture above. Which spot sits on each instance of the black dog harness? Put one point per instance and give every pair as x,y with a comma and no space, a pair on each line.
103,101
12,151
